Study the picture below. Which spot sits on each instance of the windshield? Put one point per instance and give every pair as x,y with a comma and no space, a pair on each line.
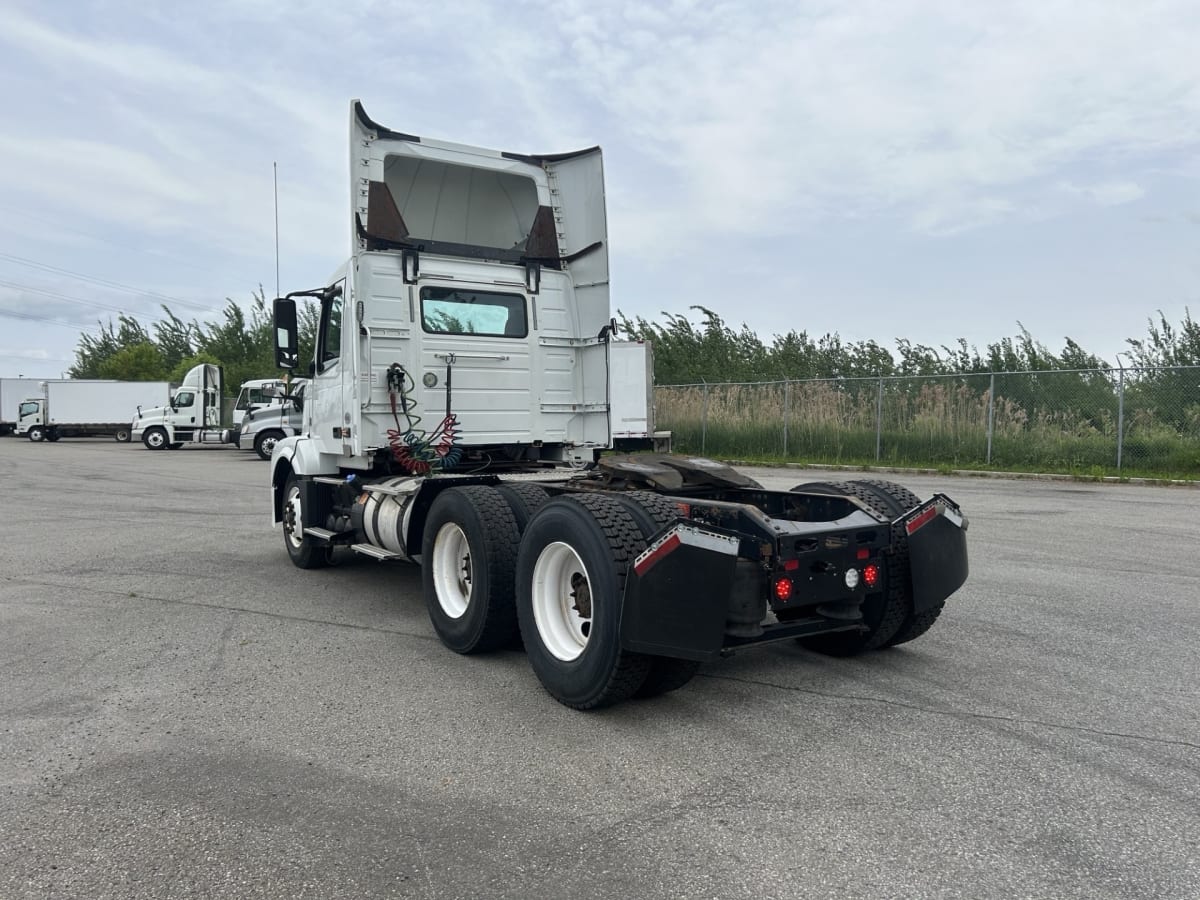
256,396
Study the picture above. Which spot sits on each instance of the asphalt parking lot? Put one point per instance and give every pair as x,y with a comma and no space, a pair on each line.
184,714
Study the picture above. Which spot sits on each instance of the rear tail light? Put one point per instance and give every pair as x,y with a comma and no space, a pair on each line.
783,589
870,575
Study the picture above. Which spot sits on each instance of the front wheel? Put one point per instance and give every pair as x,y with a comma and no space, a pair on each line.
37,434
264,444
575,554
305,552
468,553
155,439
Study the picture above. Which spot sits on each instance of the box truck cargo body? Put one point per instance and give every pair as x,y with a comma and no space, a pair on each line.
15,391
83,408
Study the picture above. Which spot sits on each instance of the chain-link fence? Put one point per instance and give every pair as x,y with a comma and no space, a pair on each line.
1088,420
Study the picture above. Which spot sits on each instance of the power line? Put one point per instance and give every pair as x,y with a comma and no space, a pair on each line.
104,282
45,320
34,359
179,260
57,296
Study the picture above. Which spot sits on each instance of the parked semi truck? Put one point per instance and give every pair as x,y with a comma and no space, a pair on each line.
190,415
464,360
86,408
256,394
262,428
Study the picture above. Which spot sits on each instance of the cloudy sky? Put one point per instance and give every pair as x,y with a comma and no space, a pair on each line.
924,170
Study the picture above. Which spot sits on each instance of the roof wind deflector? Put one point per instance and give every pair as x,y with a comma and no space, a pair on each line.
367,122
541,159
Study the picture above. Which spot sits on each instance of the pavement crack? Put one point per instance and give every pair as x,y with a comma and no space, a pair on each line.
957,714
283,617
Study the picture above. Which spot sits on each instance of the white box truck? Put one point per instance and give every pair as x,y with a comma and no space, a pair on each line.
14,391
83,408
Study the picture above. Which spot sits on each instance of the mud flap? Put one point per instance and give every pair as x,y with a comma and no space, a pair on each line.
937,546
677,594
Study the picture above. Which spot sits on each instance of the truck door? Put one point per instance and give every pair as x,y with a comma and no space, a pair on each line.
327,411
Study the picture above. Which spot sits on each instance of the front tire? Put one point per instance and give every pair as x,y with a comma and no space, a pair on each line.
305,551
264,444
37,434
155,438
575,554
468,555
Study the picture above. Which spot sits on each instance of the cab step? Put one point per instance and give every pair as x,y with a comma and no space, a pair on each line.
372,550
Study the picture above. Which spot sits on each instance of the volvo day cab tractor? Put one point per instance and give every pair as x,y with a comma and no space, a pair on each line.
459,408
192,416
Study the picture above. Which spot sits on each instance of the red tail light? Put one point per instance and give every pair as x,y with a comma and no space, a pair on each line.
783,589
870,575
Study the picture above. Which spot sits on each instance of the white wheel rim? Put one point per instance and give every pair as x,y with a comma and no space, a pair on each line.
558,576
156,439
452,570
293,520
268,445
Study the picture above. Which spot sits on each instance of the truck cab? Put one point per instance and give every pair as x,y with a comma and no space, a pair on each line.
262,428
474,312
257,393
192,416
30,417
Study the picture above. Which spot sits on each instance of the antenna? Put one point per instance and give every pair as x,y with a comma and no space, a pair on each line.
275,173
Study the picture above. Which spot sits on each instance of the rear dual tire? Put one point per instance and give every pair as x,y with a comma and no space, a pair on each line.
571,568
889,616
468,553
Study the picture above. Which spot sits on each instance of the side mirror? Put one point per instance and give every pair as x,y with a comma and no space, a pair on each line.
286,343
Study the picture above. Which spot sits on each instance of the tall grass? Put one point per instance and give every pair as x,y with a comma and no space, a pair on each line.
929,423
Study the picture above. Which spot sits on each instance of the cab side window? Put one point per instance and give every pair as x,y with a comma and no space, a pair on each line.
184,398
331,331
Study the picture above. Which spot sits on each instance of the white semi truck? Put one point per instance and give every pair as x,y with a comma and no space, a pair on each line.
465,361
258,393
86,408
262,428
190,415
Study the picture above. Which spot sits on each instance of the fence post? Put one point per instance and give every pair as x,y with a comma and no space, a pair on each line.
704,423
991,416
1120,416
787,412
879,420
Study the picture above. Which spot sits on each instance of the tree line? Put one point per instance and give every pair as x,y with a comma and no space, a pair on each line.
242,343
710,350
685,351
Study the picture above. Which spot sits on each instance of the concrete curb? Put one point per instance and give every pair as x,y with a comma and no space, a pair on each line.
973,473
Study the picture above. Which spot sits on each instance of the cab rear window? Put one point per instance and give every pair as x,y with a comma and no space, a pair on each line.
484,313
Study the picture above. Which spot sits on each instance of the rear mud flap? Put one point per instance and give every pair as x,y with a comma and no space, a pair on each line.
677,594
937,546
